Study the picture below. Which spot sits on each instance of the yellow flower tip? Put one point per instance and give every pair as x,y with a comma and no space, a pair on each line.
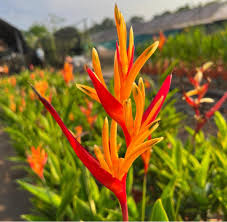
207,65
152,48
206,100
135,89
94,54
106,120
159,139
96,150
141,84
117,15
131,30
78,85
82,88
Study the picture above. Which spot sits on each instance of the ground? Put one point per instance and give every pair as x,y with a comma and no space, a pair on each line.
13,201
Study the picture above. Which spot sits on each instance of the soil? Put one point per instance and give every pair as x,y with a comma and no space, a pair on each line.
13,200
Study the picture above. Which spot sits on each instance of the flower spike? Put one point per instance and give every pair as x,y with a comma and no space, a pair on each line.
88,160
163,91
108,167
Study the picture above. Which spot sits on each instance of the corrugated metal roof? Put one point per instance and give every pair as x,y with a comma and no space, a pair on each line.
209,13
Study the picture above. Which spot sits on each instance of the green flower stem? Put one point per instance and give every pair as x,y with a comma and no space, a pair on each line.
144,197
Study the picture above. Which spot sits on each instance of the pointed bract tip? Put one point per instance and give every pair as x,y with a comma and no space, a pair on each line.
94,51
35,91
156,43
86,67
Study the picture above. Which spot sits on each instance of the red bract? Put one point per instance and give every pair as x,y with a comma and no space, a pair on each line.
87,159
201,122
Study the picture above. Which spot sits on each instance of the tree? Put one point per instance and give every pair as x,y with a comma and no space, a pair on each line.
106,23
34,33
136,19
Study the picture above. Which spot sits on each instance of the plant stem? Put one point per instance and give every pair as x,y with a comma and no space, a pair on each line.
122,197
144,197
124,209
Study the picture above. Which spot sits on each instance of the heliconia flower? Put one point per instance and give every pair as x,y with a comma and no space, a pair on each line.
78,134
125,72
13,106
31,95
162,40
41,73
203,119
109,168
87,112
4,69
200,91
71,116
68,72
37,160
32,76
41,87
13,80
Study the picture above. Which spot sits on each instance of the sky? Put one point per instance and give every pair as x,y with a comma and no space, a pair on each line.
24,13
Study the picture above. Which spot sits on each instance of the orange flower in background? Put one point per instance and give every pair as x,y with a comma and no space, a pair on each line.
41,73
31,95
12,80
32,76
22,105
162,40
91,119
71,116
147,84
41,87
79,131
68,70
37,160
23,94
87,112
13,106
4,69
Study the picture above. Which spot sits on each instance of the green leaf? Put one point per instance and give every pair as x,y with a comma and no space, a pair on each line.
158,212
129,181
221,123
42,193
168,71
168,205
132,208
66,199
169,189
202,173
30,217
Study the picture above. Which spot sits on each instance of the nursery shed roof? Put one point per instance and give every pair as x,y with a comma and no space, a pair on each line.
210,13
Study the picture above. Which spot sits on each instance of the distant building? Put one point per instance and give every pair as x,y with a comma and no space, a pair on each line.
211,13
